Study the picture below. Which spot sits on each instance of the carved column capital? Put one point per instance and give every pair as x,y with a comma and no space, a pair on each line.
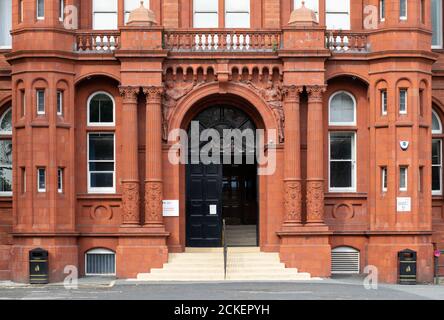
315,93
292,92
153,94
129,94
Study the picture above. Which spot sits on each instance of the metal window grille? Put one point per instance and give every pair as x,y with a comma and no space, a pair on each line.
345,260
100,262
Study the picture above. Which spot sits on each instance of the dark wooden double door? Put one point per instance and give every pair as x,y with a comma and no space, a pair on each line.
219,191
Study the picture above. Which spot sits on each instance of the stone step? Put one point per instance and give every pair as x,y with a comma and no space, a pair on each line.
269,277
187,271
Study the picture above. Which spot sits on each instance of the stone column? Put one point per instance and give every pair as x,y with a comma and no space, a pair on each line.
153,161
130,180
292,158
315,156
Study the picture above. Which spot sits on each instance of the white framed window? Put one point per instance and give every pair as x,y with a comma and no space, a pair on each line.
384,102
205,13
101,162
40,9
384,179
403,178
437,167
104,14
342,109
436,123
131,5
41,179
437,28
60,180
337,14
403,9
100,262
5,24
6,153
59,102
342,161
403,98
381,10
61,10
237,13
101,109
310,4
40,99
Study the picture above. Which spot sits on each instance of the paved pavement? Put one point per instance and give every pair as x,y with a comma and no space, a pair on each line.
327,289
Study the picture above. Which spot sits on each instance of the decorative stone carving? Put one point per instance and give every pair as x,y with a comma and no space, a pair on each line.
153,94
315,93
315,201
130,202
101,213
292,201
129,94
153,202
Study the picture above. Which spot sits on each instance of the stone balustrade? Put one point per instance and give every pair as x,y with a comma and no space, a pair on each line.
97,41
346,42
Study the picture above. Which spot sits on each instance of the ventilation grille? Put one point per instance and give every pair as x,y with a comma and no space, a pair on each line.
344,260
100,262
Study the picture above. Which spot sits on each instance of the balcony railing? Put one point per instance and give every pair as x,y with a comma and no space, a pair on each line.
222,40
94,41
347,42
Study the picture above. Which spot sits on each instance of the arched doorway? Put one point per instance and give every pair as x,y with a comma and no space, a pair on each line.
224,186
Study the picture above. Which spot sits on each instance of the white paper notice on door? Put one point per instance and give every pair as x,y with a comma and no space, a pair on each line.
213,209
170,208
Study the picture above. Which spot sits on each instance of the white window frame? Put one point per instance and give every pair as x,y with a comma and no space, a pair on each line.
382,10
228,12
37,92
37,10
96,12
384,101
6,135
61,10
106,190
404,170
100,124
8,24
405,17
41,190
60,102
353,163
406,100
100,251
327,13
339,124
438,192
384,179
434,113
440,27
60,180
197,12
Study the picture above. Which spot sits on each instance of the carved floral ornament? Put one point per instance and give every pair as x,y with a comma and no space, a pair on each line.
129,93
130,202
292,200
315,200
153,201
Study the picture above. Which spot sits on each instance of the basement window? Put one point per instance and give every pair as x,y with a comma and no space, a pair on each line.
100,262
345,260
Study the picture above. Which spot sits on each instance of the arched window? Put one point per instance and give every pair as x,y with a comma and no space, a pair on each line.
345,260
101,145
342,109
100,262
101,109
436,123
436,154
6,153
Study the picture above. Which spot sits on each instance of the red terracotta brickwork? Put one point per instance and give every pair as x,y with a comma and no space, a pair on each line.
160,77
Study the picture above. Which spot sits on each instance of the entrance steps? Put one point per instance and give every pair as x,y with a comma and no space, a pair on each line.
241,235
243,264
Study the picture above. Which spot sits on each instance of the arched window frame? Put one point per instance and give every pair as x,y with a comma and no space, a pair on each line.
437,138
330,123
100,124
6,136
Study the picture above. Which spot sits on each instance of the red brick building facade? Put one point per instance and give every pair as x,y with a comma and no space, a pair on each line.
87,104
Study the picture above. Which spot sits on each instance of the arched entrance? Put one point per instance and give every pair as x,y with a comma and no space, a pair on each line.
221,178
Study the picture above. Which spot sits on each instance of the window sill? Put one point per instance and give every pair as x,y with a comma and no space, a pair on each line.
93,196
